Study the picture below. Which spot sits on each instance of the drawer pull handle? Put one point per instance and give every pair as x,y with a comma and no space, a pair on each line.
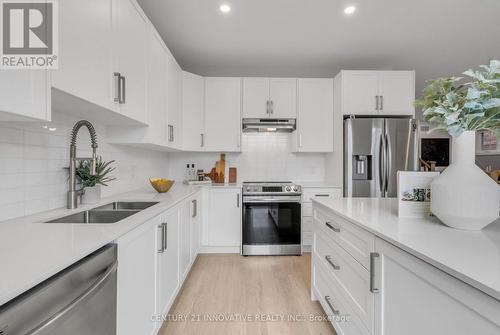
321,195
329,225
334,311
329,260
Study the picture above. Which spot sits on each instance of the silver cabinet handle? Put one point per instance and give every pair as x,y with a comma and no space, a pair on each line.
272,107
373,255
376,103
195,208
165,236
170,133
268,110
329,260
85,295
117,95
202,140
322,195
122,90
381,102
329,225
161,227
334,311
238,200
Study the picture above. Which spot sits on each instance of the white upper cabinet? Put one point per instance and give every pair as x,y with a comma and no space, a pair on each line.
256,102
397,92
193,114
85,62
315,116
174,103
283,96
156,87
24,95
129,59
223,114
270,98
381,93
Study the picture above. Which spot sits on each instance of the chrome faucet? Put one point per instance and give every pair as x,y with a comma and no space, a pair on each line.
73,193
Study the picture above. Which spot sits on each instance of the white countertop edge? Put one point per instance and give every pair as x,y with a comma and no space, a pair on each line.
459,275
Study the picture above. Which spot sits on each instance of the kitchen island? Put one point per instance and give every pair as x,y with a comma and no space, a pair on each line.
382,271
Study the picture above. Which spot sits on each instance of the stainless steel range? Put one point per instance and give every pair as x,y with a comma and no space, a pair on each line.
271,218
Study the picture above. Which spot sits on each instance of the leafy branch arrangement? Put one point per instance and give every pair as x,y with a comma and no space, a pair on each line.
101,176
456,105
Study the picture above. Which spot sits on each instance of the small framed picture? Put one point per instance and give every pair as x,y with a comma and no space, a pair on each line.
414,193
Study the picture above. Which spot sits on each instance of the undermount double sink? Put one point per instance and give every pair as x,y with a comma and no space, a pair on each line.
109,213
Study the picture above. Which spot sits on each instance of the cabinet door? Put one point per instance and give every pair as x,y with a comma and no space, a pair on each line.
410,287
85,67
193,116
359,92
185,238
315,115
136,297
256,98
224,217
157,85
397,91
283,93
223,114
129,57
24,95
196,211
168,261
174,103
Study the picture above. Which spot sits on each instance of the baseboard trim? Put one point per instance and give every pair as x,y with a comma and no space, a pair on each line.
219,250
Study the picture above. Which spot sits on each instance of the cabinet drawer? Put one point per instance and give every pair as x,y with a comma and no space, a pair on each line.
356,241
334,302
309,193
307,238
307,222
350,275
307,209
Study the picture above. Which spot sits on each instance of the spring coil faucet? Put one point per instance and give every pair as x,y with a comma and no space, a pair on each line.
73,193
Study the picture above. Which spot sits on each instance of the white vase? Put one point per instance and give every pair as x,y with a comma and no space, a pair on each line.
91,195
463,196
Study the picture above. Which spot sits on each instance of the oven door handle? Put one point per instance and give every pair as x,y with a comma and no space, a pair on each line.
269,200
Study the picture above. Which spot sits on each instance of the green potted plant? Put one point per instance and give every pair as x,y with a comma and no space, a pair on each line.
463,196
91,183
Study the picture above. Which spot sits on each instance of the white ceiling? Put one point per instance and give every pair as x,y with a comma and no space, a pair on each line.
314,38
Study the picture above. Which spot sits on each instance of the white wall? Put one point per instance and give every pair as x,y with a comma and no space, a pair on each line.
32,161
265,156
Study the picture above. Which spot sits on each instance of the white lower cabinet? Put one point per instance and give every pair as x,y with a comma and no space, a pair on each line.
136,299
369,286
416,298
185,239
224,218
195,218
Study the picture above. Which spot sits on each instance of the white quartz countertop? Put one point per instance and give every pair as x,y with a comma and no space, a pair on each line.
471,256
317,184
32,251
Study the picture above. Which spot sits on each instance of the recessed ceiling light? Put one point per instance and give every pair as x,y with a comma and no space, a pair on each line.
52,129
225,8
350,10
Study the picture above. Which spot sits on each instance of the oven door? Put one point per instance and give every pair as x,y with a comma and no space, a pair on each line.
271,225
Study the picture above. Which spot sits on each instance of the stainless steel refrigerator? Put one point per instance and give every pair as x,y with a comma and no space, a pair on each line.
374,150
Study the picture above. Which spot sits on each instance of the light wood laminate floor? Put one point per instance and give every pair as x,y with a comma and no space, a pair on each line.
236,287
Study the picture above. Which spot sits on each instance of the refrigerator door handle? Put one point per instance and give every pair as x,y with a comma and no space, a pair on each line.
388,161
381,168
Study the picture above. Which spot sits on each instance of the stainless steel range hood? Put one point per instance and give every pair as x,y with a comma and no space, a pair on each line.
269,125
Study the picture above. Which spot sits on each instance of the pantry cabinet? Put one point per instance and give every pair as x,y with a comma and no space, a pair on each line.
136,283
193,112
270,98
315,116
380,93
222,114
25,95
224,218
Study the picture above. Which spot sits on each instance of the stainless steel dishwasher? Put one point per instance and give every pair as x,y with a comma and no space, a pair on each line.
80,300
